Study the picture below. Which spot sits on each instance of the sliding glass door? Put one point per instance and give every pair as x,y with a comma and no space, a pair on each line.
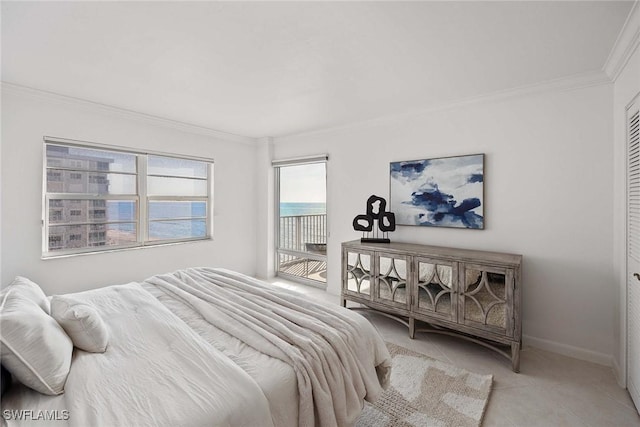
301,225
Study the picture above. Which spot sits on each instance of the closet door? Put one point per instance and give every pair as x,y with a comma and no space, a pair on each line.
633,252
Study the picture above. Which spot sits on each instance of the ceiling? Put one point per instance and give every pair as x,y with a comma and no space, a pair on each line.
280,68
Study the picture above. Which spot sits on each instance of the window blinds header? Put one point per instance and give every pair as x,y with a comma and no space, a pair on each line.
300,160
86,144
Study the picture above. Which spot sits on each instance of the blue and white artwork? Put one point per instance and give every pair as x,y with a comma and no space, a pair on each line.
444,192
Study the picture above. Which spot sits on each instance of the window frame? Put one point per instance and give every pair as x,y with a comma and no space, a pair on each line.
140,197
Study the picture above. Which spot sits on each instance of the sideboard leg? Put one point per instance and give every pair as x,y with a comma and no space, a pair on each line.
515,356
412,328
343,302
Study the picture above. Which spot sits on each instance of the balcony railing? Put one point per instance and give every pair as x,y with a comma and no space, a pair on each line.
302,249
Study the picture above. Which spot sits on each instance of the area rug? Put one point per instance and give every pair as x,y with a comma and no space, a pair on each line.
425,392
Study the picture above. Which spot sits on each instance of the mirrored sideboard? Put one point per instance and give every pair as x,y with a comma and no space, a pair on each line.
472,294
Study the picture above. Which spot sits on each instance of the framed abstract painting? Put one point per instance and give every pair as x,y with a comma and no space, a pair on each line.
442,192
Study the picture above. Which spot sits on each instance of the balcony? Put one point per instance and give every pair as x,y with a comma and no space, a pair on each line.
302,249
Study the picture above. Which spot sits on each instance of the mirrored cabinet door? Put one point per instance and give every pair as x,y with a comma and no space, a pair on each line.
485,298
435,286
392,278
359,273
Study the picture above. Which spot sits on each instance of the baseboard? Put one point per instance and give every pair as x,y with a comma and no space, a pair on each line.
569,350
619,373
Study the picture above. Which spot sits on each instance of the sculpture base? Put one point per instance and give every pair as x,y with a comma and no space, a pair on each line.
371,240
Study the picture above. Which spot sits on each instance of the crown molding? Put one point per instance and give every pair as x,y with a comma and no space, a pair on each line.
563,84
627,42
577,81
13,88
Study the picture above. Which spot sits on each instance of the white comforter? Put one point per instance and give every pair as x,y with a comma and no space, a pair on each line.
337,356
244,354
156,372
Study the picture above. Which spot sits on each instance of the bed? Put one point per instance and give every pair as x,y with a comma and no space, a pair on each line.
197,347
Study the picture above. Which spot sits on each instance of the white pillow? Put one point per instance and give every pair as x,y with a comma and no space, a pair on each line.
81,322
29,290
33,347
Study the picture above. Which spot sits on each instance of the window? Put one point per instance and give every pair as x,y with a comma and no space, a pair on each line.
97,213
103,198
54,176
55,215
177,194
55,242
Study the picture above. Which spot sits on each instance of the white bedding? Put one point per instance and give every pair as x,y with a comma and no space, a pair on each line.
337,356
186,350
156,372
275,378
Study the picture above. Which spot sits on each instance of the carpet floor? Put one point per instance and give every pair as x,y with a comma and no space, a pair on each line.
425,392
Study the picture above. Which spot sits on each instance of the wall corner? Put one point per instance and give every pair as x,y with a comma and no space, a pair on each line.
265,209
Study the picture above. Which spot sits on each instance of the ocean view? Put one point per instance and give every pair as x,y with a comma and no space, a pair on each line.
163,223
126,211
297,208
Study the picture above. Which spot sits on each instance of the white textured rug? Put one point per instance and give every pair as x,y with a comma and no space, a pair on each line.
425,392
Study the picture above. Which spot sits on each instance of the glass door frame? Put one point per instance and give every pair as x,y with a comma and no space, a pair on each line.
277,164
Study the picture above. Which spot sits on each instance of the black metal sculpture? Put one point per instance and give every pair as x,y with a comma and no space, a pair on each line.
376,213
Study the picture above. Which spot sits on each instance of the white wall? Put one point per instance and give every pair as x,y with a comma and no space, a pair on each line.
26,118
548,196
